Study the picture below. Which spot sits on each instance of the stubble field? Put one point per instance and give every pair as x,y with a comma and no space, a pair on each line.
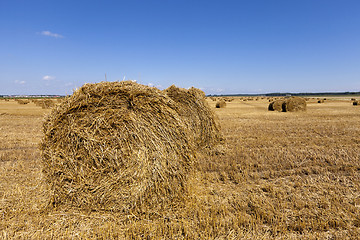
281,176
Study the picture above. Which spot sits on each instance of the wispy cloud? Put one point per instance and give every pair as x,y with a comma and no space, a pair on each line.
20,82
47,77
50,34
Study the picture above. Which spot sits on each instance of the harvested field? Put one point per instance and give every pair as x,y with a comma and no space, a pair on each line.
284,176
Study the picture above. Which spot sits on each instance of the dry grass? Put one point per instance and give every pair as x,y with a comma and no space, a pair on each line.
285,176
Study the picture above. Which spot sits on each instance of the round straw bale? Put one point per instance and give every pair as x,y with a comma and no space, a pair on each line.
44,103
47,103
220,104
197,115
228,99
22,101
356,103
116,146
294,104
321,101
276,105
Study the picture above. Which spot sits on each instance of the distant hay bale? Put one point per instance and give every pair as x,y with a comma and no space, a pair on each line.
276,105
197,115
59,100
220,104
44,103
228,99
294,104
47,103
37,102
118,146
22,101
356,103
321,101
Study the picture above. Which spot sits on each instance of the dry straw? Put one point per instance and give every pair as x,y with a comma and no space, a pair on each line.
117,146
292,104
220,104
44,103
276,105
228,99
22,101
197,115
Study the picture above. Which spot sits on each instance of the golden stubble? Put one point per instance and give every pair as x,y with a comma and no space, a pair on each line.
282,176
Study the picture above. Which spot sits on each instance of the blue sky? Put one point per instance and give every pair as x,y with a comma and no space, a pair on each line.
243,46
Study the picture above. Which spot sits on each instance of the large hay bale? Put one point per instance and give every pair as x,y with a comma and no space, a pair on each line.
197,114
220,104
294,104
356,103
276,105
116,146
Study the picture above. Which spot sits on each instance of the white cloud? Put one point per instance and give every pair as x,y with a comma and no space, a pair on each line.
20,82
47,77
50,34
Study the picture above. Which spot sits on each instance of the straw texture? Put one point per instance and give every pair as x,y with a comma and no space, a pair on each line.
198,116
116,146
